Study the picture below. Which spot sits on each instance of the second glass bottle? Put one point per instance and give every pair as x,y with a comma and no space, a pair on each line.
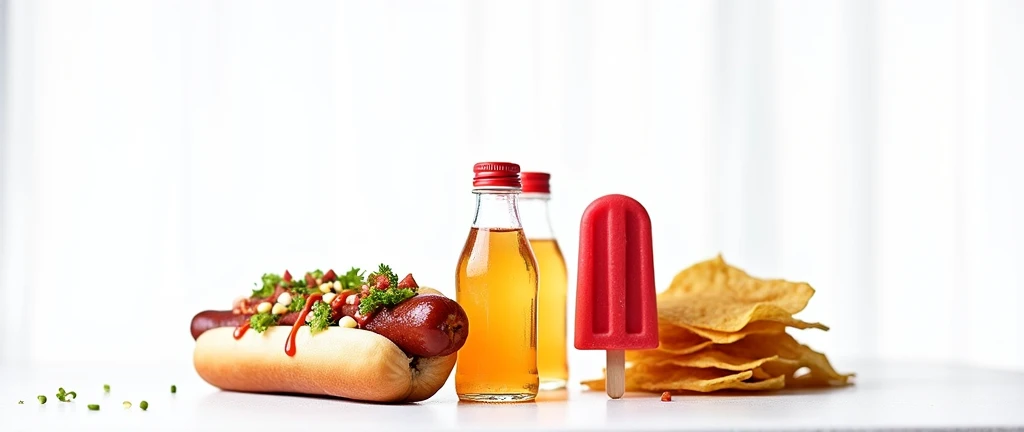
552,363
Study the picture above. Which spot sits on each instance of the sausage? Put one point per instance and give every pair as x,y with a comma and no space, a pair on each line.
426,325
211,319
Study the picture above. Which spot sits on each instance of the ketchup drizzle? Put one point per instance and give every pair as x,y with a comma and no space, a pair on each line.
289,344
240,330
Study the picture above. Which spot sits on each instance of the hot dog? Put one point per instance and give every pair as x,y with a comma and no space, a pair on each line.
427,325
402,348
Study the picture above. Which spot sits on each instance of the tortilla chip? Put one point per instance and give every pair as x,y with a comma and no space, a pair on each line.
709,358
718,337
720,279
724,315
675,379
687,350
678,340
760,374
715,296
682,338
792,356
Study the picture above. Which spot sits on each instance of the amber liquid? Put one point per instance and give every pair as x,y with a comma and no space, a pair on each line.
551,348
496,284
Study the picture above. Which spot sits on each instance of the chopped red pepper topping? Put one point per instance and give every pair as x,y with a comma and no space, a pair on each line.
408,282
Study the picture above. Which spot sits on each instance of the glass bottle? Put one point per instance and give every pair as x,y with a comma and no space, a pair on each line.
552,362
496,284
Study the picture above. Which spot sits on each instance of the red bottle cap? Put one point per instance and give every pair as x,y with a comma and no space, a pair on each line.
496,175
536,182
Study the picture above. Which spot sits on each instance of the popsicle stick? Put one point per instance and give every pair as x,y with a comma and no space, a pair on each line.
615,380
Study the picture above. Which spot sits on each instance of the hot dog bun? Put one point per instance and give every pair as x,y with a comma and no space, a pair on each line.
341,362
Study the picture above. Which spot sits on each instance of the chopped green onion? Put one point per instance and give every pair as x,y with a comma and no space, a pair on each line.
174,388
42,399
63,395
126,404
94,407
21,402
106,388
144,405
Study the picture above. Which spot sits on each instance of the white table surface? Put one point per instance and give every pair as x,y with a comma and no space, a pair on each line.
884,396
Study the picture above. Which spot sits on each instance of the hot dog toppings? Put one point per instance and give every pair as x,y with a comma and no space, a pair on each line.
321,317
283,294
274,285
261,321
385,291
353,279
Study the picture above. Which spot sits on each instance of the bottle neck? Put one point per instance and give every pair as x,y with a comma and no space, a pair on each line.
535,216
497,209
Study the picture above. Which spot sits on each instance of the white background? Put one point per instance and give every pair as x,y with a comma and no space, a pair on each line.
158,156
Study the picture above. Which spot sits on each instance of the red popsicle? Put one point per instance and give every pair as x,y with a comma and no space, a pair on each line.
616,306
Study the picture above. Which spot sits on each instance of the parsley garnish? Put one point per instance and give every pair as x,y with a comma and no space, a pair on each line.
317,274
298,287
378,298
298,302
321,317
353,279
384,298
270,282
261,321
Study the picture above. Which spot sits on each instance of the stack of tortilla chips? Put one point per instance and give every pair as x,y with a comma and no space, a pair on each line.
722,329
